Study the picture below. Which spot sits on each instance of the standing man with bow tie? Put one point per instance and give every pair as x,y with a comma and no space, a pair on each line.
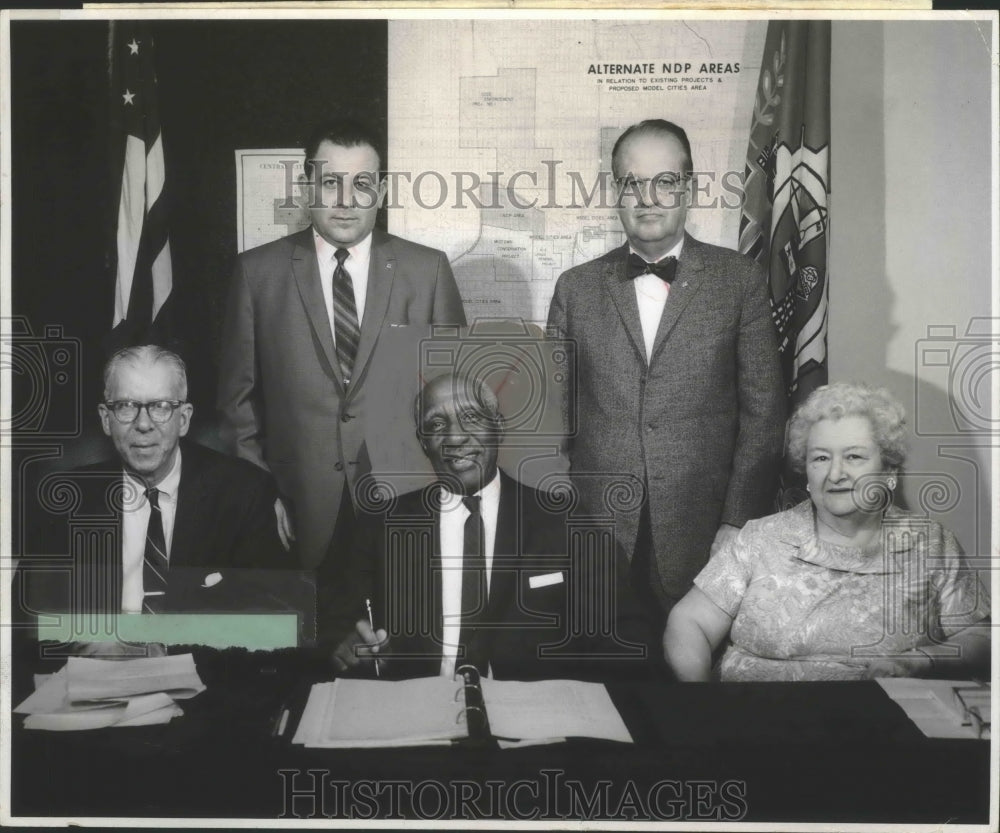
677,390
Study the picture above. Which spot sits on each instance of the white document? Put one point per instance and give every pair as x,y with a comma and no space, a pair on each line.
931,705
95,693
551,710
97,679
375,713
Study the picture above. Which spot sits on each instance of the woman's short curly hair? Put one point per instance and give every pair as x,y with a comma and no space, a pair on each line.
884,412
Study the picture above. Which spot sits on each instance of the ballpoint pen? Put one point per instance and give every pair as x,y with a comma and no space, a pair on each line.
371,622
280,721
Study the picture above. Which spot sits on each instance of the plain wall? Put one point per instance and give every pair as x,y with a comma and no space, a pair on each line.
911,248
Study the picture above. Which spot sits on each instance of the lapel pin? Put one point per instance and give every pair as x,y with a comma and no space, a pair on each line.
684,284
388,266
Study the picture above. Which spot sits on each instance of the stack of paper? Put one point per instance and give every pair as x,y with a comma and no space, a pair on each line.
941,708
374,713
97,693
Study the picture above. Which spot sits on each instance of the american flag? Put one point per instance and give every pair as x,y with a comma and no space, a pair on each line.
144,276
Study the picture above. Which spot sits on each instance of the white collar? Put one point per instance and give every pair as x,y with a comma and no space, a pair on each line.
490,494
675,251
326,250
168,487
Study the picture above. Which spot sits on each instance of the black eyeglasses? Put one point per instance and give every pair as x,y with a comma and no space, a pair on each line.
126,411
663,185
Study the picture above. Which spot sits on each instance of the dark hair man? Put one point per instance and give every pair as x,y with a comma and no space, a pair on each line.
303,322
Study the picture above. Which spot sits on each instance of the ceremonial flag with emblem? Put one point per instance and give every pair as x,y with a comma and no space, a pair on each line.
143,279
785,211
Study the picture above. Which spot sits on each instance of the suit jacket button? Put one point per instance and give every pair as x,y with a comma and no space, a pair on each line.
338,466
650,429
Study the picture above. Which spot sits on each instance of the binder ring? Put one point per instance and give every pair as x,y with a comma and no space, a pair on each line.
461,714
469,673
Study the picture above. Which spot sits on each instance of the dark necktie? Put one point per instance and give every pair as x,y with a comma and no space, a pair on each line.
664,269
473,586
155,564
345,317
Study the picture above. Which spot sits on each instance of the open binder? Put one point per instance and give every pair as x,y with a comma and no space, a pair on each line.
350,713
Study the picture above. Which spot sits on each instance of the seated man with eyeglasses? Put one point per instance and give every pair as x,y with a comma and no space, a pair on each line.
161,504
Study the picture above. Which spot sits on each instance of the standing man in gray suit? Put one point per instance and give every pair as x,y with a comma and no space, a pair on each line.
677,388
304,319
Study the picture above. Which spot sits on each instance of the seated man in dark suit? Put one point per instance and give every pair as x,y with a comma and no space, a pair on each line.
479,569
160,504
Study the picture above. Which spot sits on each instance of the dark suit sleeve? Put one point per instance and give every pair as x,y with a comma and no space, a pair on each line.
558,328
257,543
762,409
448,308
239,398
345,578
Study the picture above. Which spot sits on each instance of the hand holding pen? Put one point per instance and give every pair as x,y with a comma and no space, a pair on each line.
361,645
371,625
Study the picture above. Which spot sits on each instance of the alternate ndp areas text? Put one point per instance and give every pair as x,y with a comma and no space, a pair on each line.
665,68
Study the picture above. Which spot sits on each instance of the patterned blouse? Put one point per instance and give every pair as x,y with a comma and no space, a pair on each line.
805,609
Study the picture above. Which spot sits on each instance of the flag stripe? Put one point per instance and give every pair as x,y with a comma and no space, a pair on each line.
144,275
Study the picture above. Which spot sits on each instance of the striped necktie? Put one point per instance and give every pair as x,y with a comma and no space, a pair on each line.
155,564
347,332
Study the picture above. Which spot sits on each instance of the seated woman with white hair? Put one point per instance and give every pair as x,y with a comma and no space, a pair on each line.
845,585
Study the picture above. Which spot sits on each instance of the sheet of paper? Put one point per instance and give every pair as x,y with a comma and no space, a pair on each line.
53,708
931,705
311,723
92,679
48,696
551,709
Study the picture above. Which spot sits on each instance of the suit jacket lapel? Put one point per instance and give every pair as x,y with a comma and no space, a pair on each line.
503,583
689,278
382,269
190,500
307,280
622,292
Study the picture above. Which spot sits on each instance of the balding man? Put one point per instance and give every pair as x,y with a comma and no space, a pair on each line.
678,391
479,569
165,503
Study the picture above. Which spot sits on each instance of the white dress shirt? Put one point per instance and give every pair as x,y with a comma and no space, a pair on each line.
651,294
135,521
452,529
356,264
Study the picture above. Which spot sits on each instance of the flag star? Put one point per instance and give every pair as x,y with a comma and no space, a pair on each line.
127,98
133,48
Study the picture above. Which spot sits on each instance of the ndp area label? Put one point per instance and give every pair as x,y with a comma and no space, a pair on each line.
656,76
